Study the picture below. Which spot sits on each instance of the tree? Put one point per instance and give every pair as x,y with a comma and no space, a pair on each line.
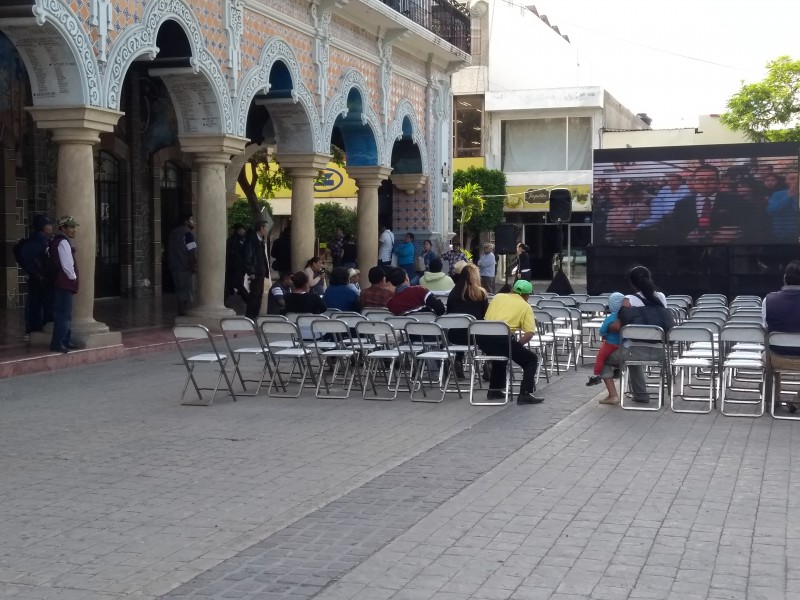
240,212
768,111
468,199
493,184
327,215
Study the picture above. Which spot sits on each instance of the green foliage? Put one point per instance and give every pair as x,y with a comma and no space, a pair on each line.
327,215
493,183
768,111
239,212
468,201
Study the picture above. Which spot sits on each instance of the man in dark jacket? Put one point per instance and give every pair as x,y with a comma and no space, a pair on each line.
234,263
781,312
255,266
282,251
34,257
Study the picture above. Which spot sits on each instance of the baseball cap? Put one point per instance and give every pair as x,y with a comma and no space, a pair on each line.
522,286
67,221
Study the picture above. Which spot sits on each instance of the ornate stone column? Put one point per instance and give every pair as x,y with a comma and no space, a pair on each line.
368,180
211,155
303,169
75,130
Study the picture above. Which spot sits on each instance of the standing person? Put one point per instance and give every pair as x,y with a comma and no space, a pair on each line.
316,275
62,257
276,299
453,256
405,254
514,310
182,260
234,263
523,268
337,247
385,246
487,266
34,258
282,251
349,252
255,265
379,291
782,210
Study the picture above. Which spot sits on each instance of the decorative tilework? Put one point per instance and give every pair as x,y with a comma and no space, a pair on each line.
355,36
412,212
408,62
341,61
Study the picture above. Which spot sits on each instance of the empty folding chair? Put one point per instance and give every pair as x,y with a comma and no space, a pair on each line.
340,360
784,372
190,339
500,331
378,345
455,327
743,368
376,314
685,363
435,352
285,344
242,340
545,325
644,346
567,333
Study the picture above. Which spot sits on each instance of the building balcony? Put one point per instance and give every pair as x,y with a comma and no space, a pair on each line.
446,18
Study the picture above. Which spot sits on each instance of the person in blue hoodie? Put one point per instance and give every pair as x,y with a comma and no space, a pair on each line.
610,344
405,255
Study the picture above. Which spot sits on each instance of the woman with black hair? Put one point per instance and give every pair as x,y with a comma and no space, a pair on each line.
302,300
339,294
642,282
523,263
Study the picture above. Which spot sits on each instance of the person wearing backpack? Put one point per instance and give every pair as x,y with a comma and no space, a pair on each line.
62,259
33,257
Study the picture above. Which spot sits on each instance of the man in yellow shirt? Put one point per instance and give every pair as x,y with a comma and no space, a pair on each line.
514,309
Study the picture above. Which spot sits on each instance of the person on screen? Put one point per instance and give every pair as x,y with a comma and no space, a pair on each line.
782,209
664,201
628,210
710,216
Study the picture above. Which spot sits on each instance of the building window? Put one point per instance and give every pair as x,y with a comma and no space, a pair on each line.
552,144
468,128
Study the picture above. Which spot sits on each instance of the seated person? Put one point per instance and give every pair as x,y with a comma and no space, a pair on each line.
379,291
302,300
436,280
610,344
339,293
781,312
410,299
276,299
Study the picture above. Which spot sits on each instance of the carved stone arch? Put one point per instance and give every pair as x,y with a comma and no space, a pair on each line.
140,39
351,79
405,110
300,106
73,80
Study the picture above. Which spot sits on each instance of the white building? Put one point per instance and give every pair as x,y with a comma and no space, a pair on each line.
521,108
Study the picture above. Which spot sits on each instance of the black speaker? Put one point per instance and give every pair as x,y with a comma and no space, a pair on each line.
505,238
560,205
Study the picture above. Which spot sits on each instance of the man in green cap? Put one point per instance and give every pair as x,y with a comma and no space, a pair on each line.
514,309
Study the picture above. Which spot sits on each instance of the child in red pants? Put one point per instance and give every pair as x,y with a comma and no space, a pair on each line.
610,344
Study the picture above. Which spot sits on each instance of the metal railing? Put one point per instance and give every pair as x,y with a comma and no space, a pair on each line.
446,18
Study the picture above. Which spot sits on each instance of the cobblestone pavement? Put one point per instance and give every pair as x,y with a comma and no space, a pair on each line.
111,490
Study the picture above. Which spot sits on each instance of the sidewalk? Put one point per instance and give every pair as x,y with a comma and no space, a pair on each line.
112,490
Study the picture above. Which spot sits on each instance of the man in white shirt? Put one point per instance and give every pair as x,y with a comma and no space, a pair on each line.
62,257
385,246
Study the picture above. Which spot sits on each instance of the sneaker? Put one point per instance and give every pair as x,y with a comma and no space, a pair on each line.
529,399
609,400
645,400
594,380
495,395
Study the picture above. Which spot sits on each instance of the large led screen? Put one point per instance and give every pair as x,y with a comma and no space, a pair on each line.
687,195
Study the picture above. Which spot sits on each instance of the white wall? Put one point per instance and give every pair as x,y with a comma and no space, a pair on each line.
709,131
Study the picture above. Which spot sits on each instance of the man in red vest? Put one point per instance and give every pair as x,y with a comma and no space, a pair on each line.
65,269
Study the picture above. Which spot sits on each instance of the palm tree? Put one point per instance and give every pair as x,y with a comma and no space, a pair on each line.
469,200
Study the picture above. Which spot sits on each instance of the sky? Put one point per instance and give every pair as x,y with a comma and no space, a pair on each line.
675,59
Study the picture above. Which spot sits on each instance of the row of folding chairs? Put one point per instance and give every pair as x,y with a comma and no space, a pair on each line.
333,352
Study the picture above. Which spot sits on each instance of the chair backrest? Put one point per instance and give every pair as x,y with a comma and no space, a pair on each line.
399,323
350,318
239,332
783,339
231,324
544,320
191,334
425,316
329,312
592,308
749,334
643,333
688,333
715,311
579,298
567,300
745,320
304,324
713,323
260,320
376,314
552,303
454,321
336,330
280,331
377,332
496,329
430,335
562,317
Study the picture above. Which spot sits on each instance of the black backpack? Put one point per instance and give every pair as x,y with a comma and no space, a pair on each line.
652,313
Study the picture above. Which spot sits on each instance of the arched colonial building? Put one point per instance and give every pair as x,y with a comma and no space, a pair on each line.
125,113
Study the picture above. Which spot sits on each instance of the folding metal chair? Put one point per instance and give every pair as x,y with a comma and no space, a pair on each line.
567,331
434,350
242,339
743,365
545,325
343,357
593,314
378,343
376,314
284,342
643,346
456,326
190,338
496,329
680,338
783,377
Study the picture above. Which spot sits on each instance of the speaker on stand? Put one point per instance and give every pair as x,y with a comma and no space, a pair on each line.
505,241
560,211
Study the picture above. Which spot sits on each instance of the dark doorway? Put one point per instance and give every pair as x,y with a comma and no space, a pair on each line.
107,267
386,203
171,208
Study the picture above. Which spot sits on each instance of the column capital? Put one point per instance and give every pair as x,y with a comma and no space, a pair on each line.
212,148
370,176
303,165
75,124
409,182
